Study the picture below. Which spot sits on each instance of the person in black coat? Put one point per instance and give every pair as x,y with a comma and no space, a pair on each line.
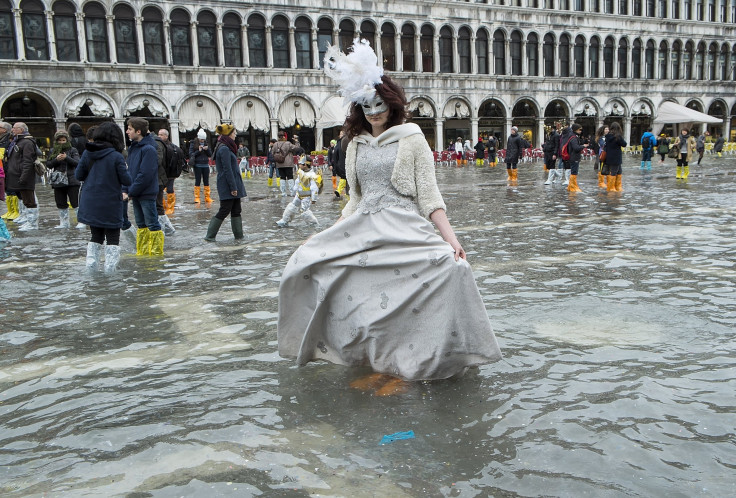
338,166
575,147
103,170
77,137
614,157
515,146
480,152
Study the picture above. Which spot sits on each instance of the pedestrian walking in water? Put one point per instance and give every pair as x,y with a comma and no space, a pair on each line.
614,157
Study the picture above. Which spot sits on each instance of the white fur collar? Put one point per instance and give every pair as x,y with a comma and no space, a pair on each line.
393,134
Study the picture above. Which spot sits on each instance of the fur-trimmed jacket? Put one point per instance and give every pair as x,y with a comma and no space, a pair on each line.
413,174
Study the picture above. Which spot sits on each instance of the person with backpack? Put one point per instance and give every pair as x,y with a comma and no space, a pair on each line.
663,147
648,140
573,150
492,146
480,152
515,146
283,155
700,147
20,173
230,188
614,157
562,168
174,165
163,157
718,145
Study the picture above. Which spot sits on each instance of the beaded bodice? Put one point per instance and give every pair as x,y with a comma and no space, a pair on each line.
374,168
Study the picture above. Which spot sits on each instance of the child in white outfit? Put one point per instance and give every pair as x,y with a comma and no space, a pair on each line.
306,192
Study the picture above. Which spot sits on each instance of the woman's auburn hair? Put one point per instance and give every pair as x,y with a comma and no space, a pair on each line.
393,95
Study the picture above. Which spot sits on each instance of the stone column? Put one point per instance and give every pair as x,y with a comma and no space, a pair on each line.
315,50
82,36
275,128
524,59
439,143
436,50
19,34
140,46
379,50
167,44
417,52
556,58
540,132
113,53
507,57
269,48
473,130
627,128
455,56
220,46
292,49
318,137
473,57
174,135
194,43
399,52
244,45
51,39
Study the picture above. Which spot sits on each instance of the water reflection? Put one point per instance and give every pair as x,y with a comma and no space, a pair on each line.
615,314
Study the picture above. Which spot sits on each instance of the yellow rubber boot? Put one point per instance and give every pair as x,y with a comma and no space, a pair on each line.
679,172
619,188
611,184
11,202
156,243
341,186
196,195
270,182
278,181
685,172
573,185
601,180
143,242
207,197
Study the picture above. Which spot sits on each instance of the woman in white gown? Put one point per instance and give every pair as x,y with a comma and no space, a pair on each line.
380,288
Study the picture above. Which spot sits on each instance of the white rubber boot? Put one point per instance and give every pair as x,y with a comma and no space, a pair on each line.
63,218
80,225
112,258
94,251
166,225
288,215
567,178
31,220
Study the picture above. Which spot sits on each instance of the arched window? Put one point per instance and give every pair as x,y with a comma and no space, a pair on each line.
532,54
723,63
700,62
368,32
463,50
445,50
207,39
324,39
636,59
687,60
675,59
548,54
515,53
565,55
662,60
651,5
499,52
579,55
65,31
623,58
712,59
608,58
303,42
594,57
280,41
407,47
257,41
7,31
388,46
95,26
181,40
347,34
153,36
481,51
649,61
232,40
126,39
426,45
662,9
733,63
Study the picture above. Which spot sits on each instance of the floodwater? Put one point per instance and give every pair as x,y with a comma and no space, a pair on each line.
615,314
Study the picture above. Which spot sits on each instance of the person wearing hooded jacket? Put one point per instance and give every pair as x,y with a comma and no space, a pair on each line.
143,169
104,173
11,201
514,148
64,159
614,157
20,174
576,146
647,152
686,145
77,137
230,188
199,158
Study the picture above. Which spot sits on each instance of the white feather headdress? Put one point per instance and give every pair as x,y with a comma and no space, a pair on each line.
357,72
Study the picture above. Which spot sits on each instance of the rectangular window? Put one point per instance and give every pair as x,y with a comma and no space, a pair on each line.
675,66
499,57
181,50
232,46
548,52
280,42
532,55
407,52
96,28
303,42
388,50
579,61
125,43
481,51
7,36
257,47
324,40
593,71
426,45
65,30
445,55
608,62
207,46
153,42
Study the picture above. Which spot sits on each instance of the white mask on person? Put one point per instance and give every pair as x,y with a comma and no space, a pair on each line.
374,106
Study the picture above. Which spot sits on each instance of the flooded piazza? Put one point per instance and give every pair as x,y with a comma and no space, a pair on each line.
615,312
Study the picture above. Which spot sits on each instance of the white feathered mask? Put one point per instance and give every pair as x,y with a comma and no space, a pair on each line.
357,72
